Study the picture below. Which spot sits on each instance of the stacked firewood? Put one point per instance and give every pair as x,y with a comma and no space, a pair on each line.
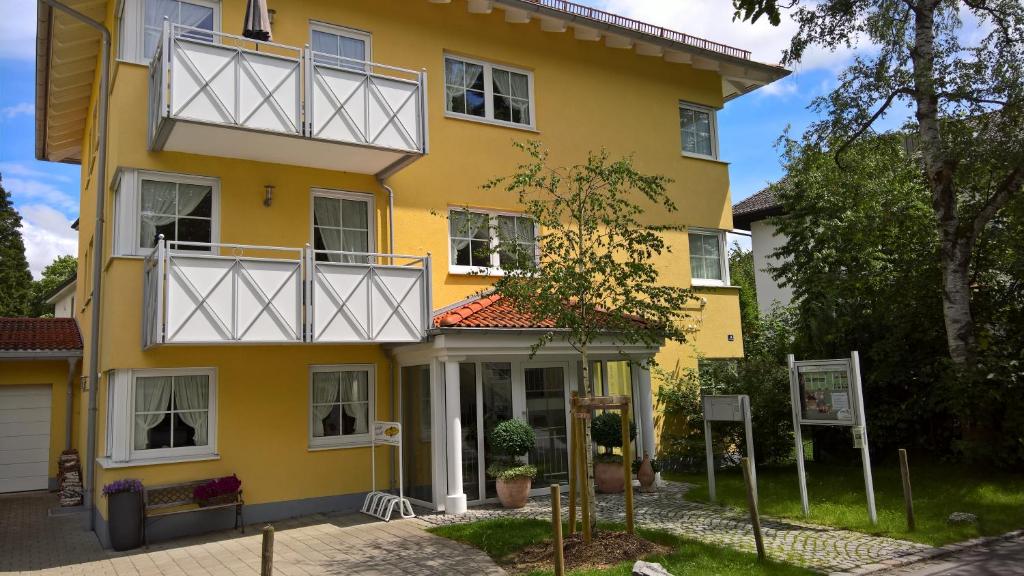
69,480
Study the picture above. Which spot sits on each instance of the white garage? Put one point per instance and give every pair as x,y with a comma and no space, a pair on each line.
24,437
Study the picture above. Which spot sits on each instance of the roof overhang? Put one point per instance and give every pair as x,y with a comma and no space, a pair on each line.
67,54
7,355
455,344
743,221
64,291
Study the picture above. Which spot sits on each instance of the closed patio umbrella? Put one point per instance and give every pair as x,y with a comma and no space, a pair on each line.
257,21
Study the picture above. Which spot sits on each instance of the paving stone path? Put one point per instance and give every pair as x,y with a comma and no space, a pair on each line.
818,547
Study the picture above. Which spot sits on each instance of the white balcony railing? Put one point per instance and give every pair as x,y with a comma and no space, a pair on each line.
202,79
197,293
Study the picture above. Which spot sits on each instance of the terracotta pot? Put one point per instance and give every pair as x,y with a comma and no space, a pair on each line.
646,474
608,478
515,492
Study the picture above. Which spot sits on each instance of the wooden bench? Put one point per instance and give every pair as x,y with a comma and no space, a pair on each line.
171,499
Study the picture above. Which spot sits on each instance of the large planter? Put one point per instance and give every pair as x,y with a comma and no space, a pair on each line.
124,513
515,492
608,477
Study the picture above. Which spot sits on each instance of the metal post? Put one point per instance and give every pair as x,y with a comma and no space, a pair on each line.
869,485
794,394
556,527
748,428
710,453
627,466
908,494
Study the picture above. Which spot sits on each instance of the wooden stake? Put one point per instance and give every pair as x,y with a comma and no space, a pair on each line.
267,558
755,517
585,492
573,466
627,467
908,494
556,526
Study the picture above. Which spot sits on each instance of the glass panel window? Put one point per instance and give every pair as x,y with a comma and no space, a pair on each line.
482,90
517,231
341,404
473,233
337,46
470,449
706,258
697,128
497,407
171,412
179,211
341,223
195,14
417,446
470,239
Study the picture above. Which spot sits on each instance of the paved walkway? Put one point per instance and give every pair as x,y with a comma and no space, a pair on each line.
31,541
817,547
1001,557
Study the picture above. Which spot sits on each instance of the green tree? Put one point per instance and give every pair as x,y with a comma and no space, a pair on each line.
15,277
594,271
55,275
968,104
741,273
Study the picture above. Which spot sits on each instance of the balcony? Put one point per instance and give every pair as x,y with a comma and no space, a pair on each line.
223,95
197,293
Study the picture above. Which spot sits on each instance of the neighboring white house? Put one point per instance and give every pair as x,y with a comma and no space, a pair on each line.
754,214
63,300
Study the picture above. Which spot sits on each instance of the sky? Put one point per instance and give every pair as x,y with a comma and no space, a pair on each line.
46,193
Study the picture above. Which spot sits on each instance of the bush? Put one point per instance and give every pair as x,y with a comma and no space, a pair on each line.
512,439
503,471
606,430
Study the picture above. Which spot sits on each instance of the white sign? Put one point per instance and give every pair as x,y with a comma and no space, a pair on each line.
728,408
387,433
723,408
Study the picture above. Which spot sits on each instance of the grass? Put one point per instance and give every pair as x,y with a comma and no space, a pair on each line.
837,498
502,537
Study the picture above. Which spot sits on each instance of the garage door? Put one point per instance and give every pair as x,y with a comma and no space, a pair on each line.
24,437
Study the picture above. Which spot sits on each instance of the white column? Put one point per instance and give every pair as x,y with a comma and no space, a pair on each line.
646,401
455,502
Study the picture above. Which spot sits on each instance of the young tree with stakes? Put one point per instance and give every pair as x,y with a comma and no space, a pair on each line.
967,96
589,264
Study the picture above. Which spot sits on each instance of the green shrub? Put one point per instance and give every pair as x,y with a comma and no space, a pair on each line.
504,471
606,430
512,439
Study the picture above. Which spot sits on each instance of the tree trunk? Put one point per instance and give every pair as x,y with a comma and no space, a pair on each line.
588,442
955,244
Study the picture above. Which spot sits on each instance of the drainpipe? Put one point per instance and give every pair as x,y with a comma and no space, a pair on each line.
97,260
70,412
391,260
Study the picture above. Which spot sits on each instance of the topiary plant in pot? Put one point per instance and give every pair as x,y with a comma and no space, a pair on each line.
606,430
511,440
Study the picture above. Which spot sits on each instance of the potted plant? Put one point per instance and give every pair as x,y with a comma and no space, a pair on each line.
219,491
511,440
124,513
606,430
645,471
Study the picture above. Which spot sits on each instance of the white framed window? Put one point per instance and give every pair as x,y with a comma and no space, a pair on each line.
708,263
141,24
473,234
338,45
698,130
341,404
181,207
341,222
161,414
478,90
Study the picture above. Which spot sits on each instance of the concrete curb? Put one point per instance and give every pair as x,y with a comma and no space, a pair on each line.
930,554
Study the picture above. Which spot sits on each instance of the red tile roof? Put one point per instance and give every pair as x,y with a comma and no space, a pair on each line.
491,311
30,334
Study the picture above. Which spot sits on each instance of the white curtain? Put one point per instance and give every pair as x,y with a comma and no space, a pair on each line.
177,12
327,217
458,77
151,395
521,97
354,389
325,394
162,202
192,397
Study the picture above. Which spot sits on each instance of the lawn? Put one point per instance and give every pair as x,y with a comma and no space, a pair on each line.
837,498
501,537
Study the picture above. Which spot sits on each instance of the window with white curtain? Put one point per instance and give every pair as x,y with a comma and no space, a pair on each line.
199,14
708,264
342,222
341,404
472,233
180,207
161,414
480,90
339,46
698,130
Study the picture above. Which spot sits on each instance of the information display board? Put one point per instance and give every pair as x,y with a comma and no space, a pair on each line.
728,408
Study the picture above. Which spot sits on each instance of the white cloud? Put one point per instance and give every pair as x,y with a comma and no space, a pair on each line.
19,109
18,30
27,191
47,234
16,169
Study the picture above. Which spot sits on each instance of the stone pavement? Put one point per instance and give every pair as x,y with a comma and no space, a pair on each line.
32,542
998,556
821,548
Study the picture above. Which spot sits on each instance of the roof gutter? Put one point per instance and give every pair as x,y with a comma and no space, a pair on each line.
98,235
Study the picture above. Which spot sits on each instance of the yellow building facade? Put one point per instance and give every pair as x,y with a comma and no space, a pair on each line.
254,319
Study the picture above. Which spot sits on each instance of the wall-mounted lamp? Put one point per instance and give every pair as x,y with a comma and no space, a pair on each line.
270,14
268,194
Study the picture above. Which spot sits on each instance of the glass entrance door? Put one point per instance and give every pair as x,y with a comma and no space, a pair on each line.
545,412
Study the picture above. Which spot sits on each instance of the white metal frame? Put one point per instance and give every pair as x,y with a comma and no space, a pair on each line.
371,211
127,428
352,440
723,254
492,222
488,117
128,207
712,121
382,504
